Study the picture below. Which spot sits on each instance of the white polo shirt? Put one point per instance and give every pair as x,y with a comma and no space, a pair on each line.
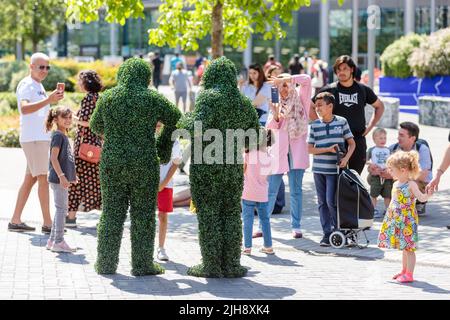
32,125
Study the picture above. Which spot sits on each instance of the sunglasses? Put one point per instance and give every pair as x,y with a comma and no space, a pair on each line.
44,67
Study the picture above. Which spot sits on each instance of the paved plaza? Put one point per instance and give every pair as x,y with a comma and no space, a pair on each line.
300,269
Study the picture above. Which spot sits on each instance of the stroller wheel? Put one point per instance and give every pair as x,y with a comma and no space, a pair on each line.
337,240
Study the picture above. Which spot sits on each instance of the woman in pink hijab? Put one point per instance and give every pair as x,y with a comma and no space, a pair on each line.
289,121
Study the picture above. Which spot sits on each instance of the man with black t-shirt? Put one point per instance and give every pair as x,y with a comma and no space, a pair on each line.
351,99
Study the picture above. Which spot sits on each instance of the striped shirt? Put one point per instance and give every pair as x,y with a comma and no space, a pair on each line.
323,135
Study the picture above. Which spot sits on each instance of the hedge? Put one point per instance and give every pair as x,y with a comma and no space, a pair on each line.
394,59
217,188
126,116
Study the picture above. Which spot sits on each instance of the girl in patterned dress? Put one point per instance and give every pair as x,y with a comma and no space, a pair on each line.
399,228
85,196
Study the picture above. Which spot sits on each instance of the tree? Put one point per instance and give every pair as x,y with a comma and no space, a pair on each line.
184,22
22,20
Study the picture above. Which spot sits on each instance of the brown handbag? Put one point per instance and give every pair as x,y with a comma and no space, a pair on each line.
89,152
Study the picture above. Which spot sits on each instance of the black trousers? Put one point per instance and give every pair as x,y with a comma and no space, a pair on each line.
358,158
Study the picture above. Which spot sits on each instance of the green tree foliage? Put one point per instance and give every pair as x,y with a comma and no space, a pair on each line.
30,20
126,116
184,22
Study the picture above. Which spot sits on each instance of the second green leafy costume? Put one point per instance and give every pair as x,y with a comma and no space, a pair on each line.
217,188
126,116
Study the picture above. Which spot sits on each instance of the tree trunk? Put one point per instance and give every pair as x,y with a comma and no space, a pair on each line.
217,30
19,49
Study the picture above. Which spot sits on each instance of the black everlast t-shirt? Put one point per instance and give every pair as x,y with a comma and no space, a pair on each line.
350,103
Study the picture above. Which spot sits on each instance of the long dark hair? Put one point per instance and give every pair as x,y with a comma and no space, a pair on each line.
90,81
261,76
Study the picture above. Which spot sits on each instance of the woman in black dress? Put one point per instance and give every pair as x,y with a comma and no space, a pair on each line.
85,195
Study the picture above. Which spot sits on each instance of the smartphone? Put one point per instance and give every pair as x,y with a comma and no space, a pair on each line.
60,86
275,96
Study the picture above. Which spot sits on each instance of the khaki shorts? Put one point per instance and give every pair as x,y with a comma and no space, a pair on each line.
380,189
37,155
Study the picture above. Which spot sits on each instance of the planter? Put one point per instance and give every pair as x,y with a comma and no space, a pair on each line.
390,115
408,90
434,111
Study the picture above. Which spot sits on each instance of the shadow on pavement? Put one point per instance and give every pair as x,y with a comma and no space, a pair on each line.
425,286
276,261
241,288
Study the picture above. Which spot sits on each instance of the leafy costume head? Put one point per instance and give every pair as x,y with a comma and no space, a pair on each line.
126,116
217,188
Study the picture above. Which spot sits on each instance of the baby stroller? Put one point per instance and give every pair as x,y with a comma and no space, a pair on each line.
354,210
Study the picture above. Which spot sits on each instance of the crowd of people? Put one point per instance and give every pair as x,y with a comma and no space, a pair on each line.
302,118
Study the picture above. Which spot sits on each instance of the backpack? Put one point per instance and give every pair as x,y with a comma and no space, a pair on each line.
419,144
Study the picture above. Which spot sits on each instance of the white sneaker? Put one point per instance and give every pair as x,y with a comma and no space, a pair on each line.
162,255
62,247
49,244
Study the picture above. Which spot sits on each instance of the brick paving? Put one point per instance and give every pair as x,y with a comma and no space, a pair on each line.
300,269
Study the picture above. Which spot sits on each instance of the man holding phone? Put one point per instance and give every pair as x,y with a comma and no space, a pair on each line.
34,105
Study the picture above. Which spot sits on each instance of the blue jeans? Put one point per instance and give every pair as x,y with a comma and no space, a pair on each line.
248,209
295,191
61,198
326,198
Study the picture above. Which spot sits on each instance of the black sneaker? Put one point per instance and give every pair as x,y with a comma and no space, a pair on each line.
48,230
71,223
448,227
325,242
20,227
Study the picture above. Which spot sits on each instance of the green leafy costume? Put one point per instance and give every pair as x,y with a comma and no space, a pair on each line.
217,188
126,116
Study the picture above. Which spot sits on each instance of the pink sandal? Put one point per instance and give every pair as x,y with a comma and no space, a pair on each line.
405,278
247,251
398,275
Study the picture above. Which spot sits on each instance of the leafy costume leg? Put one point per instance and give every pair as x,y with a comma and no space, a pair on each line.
142,213
110,227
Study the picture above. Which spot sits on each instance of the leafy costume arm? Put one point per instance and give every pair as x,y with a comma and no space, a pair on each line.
96,123
169,116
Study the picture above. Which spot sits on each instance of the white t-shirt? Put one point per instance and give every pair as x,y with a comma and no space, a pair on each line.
176,158
32,125
249,91
379,156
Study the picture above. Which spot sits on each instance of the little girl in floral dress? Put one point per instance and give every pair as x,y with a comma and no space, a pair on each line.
400,224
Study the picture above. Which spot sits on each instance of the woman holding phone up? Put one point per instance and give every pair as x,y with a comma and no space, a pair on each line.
288,119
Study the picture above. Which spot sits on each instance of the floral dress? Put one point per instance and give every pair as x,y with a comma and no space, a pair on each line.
399,228
85,195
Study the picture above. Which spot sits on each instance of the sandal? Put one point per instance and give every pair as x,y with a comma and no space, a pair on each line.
267,250
405,278
398,275
247,251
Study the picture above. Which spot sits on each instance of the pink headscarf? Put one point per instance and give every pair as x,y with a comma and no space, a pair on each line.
294,112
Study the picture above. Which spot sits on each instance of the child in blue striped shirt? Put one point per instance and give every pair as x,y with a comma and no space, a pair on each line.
328,134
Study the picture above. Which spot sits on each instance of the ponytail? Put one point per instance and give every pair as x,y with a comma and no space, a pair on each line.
54,114
50,117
